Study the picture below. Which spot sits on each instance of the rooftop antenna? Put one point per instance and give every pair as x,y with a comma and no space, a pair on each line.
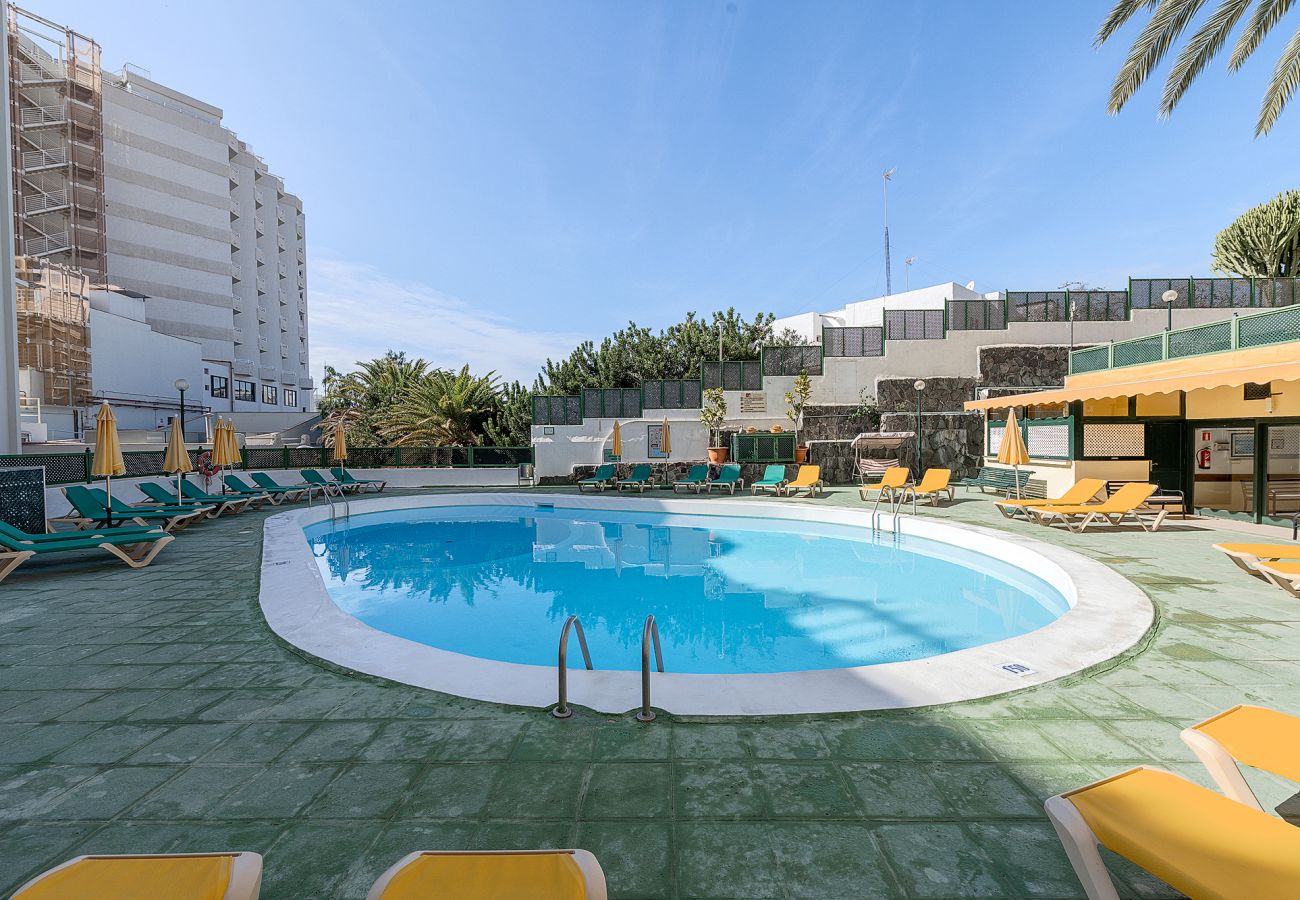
907,272
885,176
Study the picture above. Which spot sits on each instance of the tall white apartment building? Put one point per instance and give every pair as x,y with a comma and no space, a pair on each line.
143,190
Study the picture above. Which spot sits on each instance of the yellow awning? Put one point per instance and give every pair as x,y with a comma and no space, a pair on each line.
1259,365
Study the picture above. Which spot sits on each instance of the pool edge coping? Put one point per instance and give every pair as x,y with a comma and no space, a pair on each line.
1109,615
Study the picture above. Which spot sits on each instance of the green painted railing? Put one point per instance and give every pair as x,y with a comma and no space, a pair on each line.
1274,326
763,447
74,468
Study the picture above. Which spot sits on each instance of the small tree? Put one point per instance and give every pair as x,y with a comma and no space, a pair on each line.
713,414
1264,241
797,399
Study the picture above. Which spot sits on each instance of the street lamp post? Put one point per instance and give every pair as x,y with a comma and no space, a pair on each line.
182,385
1169,297
919,385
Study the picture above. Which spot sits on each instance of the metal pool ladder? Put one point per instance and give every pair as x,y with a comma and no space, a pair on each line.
562,709
650,631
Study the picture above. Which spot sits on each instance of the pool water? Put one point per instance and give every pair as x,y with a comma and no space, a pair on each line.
730,594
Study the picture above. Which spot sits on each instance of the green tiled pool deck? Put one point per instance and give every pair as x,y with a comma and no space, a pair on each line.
152,710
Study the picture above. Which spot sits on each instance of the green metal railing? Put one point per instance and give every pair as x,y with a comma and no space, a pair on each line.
75,468
1274,326
853,341
611,403
779,361
671,394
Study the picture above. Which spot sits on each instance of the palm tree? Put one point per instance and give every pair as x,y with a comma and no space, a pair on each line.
1170,19
443,410
361,399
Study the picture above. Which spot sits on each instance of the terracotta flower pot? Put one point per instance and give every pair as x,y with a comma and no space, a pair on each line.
718,454
800,455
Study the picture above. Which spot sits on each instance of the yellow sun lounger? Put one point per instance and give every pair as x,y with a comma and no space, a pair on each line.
1248,556
1248,735
1283,573
1198,841
1079,493
808,479
203,876
493,874
1123,503
888,487
934,483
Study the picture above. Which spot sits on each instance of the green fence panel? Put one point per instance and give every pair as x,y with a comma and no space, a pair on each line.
914,324
732,375
1211,338
557,410
1221,293
1037,306
853,341
1097,306
1274,327
60,468
779,361
1138,351
671,394
1092,359
977,315
1146,293
611,403
1276,291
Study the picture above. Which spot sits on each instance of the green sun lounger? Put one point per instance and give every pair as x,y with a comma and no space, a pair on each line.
602,478
223,502
639,479
341,475
137,548
277,494
729,478
88,509
54,537
159,494
269,484
773,480
311,476
696,478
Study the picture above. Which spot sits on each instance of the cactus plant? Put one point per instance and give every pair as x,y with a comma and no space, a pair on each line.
1264,241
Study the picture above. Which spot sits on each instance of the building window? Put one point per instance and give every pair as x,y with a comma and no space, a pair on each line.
290,397
220,387
246,391
269,393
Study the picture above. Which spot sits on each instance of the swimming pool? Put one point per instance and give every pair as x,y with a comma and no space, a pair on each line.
765,607
730,594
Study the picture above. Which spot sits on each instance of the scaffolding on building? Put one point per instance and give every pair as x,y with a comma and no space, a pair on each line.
53,333
57,115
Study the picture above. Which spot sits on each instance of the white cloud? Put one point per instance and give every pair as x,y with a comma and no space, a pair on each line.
357,312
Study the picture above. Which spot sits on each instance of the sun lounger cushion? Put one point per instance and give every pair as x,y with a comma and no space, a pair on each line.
136,878
1263,738
479,876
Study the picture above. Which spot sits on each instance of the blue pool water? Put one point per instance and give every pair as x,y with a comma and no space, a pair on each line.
730,594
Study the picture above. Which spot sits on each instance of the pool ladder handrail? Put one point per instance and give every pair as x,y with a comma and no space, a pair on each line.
562,709
648,632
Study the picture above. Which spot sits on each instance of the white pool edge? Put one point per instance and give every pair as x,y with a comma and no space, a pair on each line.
1108,614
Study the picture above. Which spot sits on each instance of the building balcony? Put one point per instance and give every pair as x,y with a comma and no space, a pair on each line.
284,270
238,335
306,383
243,366
236,271
234,208
302,357
260,256
258,197
267,373
280,242
279,214
263,344
284,297
237,303
261,313
289,378
234,239
259,225
234,176
284,324
261,285
284,351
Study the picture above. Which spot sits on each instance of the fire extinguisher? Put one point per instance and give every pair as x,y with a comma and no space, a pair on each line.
1203,458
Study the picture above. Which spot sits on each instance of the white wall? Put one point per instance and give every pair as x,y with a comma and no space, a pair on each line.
131,360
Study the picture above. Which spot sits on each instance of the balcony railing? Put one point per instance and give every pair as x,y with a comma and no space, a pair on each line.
1274,326
35,160
39,116
36,203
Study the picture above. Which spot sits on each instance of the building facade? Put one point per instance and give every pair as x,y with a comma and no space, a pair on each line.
143,190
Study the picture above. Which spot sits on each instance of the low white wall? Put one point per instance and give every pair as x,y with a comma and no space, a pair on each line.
1059,476
125,488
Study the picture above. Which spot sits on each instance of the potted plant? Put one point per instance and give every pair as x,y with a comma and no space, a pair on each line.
796,399
713,415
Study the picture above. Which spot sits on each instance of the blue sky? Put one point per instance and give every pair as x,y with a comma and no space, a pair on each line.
488,182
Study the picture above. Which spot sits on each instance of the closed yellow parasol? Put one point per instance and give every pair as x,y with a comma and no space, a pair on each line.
1012,451
340,448
177,459
108,453
667,444
617,448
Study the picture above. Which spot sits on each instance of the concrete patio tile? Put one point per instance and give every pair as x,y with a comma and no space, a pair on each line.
365,791
636,857
823,859
28,850
1029,855
634,741
940,860
31,793
538,790
804,790
193,792
394,841
717,790
304,860
628,790
37,742
259,742
108,794
405,740
479,739
109,744
981,790
1084,740
712,741
727,859
275,793
183,743
895,790
452,791
331,742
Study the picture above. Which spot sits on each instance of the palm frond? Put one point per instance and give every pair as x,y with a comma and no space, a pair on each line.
1262,20
1121,13
1202,48
1167,23
1285,79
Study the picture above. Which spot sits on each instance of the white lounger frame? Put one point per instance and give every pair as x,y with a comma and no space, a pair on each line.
1286,581
245,873
592,874
1081,844
1044,515
1221,765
